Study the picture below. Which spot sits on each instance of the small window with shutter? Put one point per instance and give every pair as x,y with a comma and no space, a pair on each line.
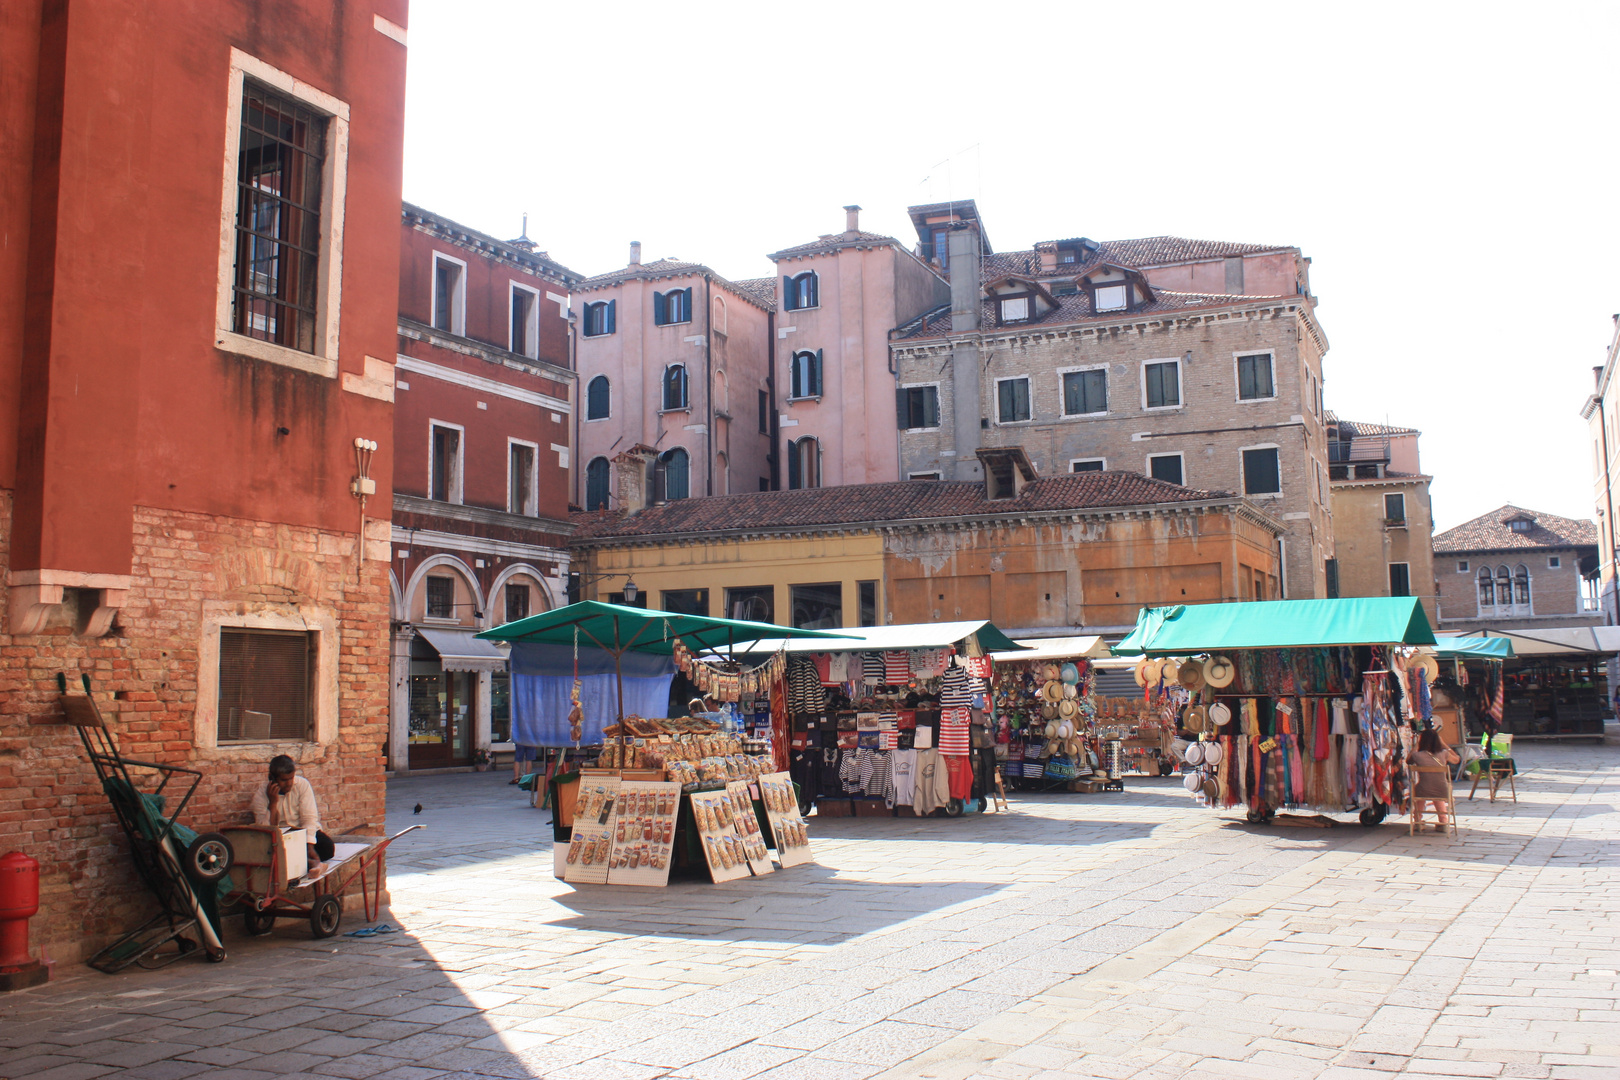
265,679
919,408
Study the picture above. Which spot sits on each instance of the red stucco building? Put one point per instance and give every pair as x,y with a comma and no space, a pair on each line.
483,425
199,205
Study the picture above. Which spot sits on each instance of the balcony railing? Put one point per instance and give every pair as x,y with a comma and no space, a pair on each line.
1359,451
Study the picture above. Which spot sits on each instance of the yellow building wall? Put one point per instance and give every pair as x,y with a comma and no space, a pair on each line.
718,565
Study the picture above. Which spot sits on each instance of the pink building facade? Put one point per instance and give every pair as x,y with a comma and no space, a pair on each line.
674,357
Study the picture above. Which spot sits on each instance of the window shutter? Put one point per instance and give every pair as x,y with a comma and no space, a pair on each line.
930,407
813,294
902,412
815,374
660,308
787,294
686,304
611,321
793,464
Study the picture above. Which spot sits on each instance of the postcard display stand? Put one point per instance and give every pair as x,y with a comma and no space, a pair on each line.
624,832
720,832
782,810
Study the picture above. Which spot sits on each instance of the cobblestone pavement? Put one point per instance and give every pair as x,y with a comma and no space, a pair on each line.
1106,935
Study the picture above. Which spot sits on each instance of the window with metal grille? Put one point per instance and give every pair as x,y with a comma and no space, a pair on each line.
517,602
278,220
265,679
441,598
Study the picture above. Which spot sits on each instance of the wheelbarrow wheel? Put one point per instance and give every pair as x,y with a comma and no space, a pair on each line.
257,923
324,915
209,858
216,956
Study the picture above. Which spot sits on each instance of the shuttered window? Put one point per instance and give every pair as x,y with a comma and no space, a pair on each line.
806,374
1012,400
1261,474
918,408
1085,392
675,387
264,685
1254,377
800,292
598,398
599,318
597,475
1163,384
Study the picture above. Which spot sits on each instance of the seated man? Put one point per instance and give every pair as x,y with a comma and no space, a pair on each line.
288,801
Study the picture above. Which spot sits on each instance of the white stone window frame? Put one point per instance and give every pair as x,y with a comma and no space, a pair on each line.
1181,387
1147,465
939,399
457,483
458,302
334,184
1464,567
1243,476
1100,460
995,403
589,419
795,279
1388,584
534,477
1108,392
220,615
1237,380
1384,502
531,330
1555,562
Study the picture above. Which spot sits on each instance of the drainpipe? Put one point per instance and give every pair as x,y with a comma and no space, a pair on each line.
575,471
773,458
1608,497
708,372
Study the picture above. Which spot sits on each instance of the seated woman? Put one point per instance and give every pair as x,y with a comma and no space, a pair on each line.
1430,787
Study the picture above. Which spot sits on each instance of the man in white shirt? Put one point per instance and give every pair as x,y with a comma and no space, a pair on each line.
288,801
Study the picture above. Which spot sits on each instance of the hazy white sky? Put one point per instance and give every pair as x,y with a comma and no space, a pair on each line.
1449,168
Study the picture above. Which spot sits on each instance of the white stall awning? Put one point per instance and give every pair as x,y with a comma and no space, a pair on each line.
462,650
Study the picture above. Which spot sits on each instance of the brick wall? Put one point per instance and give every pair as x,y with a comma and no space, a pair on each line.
1555,593
145,674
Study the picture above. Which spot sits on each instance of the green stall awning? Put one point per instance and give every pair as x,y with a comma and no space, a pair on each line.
1457,648
1277,624
617,628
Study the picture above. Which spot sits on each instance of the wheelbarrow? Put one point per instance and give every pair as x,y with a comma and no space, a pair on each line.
264,889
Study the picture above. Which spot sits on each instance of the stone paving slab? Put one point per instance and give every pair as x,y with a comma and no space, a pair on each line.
1121,935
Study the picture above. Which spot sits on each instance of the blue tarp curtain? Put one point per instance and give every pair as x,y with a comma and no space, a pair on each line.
543,677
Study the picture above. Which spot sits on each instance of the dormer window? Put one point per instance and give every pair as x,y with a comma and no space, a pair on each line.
1015,309
1520,525
1111,297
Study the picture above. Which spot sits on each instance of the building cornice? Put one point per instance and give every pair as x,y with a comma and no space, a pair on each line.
412,330
697,272
1383,481
486,246
479,515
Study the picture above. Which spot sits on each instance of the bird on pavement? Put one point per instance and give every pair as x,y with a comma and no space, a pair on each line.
418,809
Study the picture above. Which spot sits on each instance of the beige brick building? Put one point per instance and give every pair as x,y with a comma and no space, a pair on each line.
1383,522
1518,569
1194,362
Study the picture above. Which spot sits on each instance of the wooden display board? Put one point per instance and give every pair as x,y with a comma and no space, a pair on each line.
643,832
715,818
591,849
782,809
746,823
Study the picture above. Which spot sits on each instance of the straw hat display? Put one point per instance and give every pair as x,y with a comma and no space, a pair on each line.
1426,664
1219,672
1197,718
1069,674
1213,753
1191,675
1068,708
1219,714
1194,754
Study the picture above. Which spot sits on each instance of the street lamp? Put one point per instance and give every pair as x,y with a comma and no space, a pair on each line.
578,582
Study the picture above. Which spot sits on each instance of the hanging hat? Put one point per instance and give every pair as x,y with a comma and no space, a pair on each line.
1213,753
1426,664
1212,789
1068,708
1052,730
1194,754
1070,690
1219,672
1190,781
1069,674
1191,675
1141,671
1197,718
1048,712
1065,731
1219,714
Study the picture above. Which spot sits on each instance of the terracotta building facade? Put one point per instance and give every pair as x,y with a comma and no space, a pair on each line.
222,313
483,429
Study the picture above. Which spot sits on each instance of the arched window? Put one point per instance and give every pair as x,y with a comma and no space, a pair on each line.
675,387
722,401
719,321
1504,587
803,291
804,463
598,398
722,474
1487,591
805,376
597,474
1521,586
675,469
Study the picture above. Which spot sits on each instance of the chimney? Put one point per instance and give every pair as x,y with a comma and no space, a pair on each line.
966,371
852,222
965,284
632,475
635,253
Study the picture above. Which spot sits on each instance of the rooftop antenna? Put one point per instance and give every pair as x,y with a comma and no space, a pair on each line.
523,241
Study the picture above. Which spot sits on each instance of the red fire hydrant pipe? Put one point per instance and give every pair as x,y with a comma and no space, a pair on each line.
19,900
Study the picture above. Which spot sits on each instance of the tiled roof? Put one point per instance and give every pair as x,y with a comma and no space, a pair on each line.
1490,532
907,500
1073,309
1356,429
666,268
1146,251
833,242
539,260
761,289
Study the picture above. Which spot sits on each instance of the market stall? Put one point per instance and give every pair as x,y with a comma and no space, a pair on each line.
1056,730
1553,681
894,719
1290,704
1467,693
653,792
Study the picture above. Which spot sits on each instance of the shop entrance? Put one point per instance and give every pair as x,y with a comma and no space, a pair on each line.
443,707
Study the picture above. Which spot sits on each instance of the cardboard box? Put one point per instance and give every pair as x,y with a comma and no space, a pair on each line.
292,852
